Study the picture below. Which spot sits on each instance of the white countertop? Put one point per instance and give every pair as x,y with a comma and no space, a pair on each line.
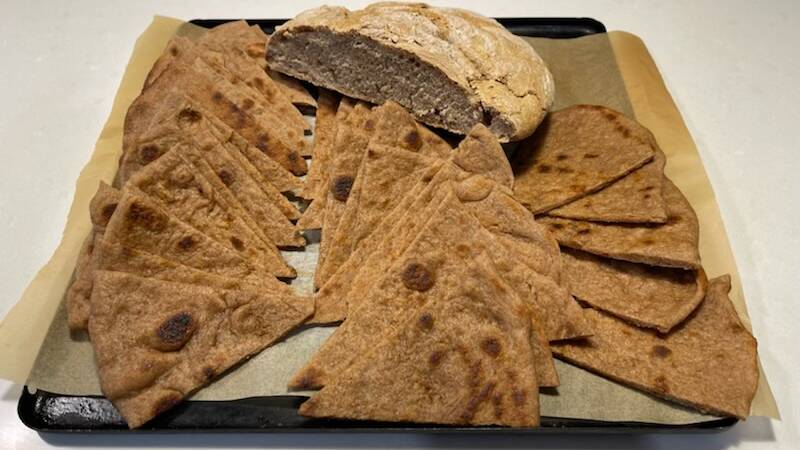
732,68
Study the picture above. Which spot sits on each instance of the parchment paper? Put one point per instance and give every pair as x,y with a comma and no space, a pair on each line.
586,70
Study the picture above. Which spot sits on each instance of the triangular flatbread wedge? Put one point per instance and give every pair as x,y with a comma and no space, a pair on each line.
113,256
254,76
181,189
634,198
140,224
369,314
646,296
352,138
219,98
157,342
177,106
396,127
461,357
386,174
295,91
709,362
577,151
672,244
324,136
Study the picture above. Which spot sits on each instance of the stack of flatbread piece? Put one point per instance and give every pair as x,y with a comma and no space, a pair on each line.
437,273
179,279
629,250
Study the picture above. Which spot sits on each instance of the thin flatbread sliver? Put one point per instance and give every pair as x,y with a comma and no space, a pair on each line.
80,290
574,152
294,90
645,296
672,244
352,137
709,362
138,223
480,153
634,198
324,136
156,342
414,374
115,257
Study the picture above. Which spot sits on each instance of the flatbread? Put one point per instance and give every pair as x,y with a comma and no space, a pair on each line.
80,289
645,296
221,99
369,312
139,154
386,174
352,137
113,256
577,151
480,152
294,90
324,135
156,342
462,357
709,362
255,77
380,307
396,127
103,205
634,198
183,191
393,234
672,244
138,223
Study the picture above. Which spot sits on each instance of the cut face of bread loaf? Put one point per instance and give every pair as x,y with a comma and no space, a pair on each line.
451,68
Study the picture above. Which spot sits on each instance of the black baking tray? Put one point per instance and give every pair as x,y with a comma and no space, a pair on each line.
51,412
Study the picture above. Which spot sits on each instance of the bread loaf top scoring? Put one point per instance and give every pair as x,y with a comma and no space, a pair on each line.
499,78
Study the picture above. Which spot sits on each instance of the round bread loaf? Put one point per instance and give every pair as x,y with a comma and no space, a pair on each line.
451,68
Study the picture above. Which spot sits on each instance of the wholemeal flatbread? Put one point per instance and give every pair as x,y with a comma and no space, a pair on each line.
385,176
709,362
461,357
80,289
352,137
646,296
157,342
221,99
379,309
295,91
574,152
480,152
672,244
237,62
113,256
634,198
179,119
396,127
139,153
262,207
101,208
324,135
477,152
140,224
393,234
239,69
184,192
